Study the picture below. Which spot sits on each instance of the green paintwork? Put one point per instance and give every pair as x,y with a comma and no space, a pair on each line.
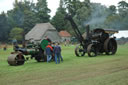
44,43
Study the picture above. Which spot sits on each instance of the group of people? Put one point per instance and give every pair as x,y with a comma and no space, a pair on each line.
54,50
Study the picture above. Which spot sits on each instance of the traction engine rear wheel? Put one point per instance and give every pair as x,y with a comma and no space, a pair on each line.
110,46
79,51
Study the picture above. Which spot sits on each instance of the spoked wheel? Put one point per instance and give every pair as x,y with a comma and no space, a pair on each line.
91,50
110,46
38,58
41,56
79,51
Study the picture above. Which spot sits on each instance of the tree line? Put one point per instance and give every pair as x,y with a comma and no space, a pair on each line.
25,14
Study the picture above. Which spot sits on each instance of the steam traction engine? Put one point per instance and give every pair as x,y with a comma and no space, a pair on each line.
97,41
36,51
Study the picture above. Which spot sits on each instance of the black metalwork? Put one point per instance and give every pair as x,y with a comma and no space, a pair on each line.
97,41
33,50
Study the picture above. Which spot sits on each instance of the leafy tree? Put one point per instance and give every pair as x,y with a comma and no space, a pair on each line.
112,9
72,6
123,4
16,15
118,20
83,13
3,27
122,8
80,11
23,15
30,20
16,33
113,21
93,14
43,11
123,14
58,20
30,17
26,14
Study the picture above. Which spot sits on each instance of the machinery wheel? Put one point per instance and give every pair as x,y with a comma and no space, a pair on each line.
20,59
16,59
91,50
38,58
79,51
41,56
110,46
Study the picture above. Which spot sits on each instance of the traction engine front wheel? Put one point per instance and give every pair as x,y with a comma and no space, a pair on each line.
79,51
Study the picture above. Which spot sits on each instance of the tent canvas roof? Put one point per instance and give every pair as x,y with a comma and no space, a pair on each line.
38,31
121,34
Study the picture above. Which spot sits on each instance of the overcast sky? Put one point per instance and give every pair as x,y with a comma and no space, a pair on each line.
52,4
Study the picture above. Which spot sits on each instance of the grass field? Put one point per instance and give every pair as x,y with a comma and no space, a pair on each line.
100,70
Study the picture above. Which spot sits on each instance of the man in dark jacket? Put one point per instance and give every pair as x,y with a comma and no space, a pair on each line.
57,52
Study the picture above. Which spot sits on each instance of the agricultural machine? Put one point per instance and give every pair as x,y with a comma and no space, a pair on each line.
36,51
97,41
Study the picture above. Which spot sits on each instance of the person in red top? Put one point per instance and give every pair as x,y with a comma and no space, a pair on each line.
49,46
49,51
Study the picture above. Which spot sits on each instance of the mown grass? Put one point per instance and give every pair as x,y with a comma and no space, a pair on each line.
100,70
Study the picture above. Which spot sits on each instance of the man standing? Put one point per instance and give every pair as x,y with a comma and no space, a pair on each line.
61,58
49,50
57,52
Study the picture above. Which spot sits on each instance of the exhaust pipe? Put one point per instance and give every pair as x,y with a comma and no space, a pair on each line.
88,31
